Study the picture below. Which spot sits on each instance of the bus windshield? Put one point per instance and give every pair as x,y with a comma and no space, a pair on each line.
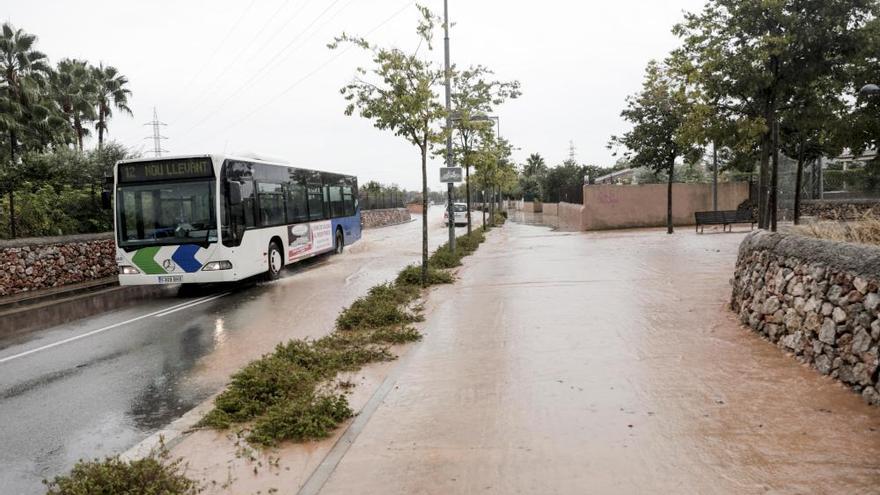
170,213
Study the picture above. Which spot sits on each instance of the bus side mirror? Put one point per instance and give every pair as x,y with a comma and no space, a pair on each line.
105,200
234,193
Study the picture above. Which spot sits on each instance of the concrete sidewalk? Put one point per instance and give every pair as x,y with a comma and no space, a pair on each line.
605,363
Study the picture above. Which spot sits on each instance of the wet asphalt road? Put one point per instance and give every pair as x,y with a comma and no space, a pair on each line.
100,385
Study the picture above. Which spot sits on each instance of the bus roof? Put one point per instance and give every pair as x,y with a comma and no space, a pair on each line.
219,157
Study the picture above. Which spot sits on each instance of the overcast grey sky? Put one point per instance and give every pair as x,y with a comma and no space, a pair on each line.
256,76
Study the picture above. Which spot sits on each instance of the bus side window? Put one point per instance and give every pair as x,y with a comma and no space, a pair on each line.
316,202
336,206
248,203
271,196
328,213
348,201
297,203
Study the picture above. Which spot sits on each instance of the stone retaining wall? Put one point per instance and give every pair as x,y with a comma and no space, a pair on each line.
550,208
839,209
39,263
816,299
388,216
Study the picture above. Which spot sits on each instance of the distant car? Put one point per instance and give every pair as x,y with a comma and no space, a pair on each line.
460,211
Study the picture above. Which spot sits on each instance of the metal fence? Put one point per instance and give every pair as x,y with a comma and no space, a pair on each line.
570,194
381,200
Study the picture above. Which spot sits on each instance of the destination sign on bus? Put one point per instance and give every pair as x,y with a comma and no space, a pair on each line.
184,168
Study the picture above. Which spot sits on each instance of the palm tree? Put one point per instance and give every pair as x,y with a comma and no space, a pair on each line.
110,92
535,166
75,91
22,72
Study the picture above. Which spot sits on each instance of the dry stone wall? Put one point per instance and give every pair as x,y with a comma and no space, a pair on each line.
31,264
387,216
839,209
816,299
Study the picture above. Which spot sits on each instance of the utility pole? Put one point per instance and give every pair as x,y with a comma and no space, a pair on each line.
571,153
450,185
714,176
157,137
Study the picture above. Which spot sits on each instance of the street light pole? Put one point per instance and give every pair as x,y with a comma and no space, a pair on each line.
450,186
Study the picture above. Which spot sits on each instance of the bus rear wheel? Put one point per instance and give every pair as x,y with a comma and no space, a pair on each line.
276,262
340,241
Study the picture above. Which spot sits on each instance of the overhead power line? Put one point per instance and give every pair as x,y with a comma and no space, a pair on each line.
269,63
231,61
313,71
229,32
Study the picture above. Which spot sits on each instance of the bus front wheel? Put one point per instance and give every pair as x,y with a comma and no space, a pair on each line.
276,262
340,241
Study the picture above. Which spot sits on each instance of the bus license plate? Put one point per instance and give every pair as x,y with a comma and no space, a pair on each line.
171,279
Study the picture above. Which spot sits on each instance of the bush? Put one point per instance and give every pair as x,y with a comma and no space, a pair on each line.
500,218
155,474
380,307
304,418
412,276
444,259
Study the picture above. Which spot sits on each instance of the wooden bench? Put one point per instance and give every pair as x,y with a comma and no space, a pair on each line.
725,218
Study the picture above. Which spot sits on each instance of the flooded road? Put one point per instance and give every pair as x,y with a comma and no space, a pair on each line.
605,363
97,386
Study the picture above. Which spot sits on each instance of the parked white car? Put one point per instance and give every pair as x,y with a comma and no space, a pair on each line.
460,212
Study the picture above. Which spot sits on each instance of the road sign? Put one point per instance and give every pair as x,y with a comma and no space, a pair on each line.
450,174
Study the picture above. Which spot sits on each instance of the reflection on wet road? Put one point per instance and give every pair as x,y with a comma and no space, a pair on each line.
97,386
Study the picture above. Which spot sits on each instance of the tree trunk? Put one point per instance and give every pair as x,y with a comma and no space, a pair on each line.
424,149
467,191
483,206
797,185
77,124
774,179
763,177
100,128
669,228
11,184
714,176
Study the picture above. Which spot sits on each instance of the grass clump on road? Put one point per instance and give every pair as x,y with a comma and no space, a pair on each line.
384,304
156,473
411,276
290,394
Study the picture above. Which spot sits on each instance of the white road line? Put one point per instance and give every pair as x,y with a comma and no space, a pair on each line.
176,307
187,306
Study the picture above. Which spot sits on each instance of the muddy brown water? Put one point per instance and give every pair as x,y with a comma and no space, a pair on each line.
606,363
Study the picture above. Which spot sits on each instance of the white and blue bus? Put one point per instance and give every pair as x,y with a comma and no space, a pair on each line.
216,218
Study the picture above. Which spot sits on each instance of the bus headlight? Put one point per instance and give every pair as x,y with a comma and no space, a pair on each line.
213,266
128,270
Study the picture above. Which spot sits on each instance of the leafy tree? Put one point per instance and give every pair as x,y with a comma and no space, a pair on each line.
811,128
494,170
561,179
22,72
474,96
400,96
658,114
754,55
111,92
